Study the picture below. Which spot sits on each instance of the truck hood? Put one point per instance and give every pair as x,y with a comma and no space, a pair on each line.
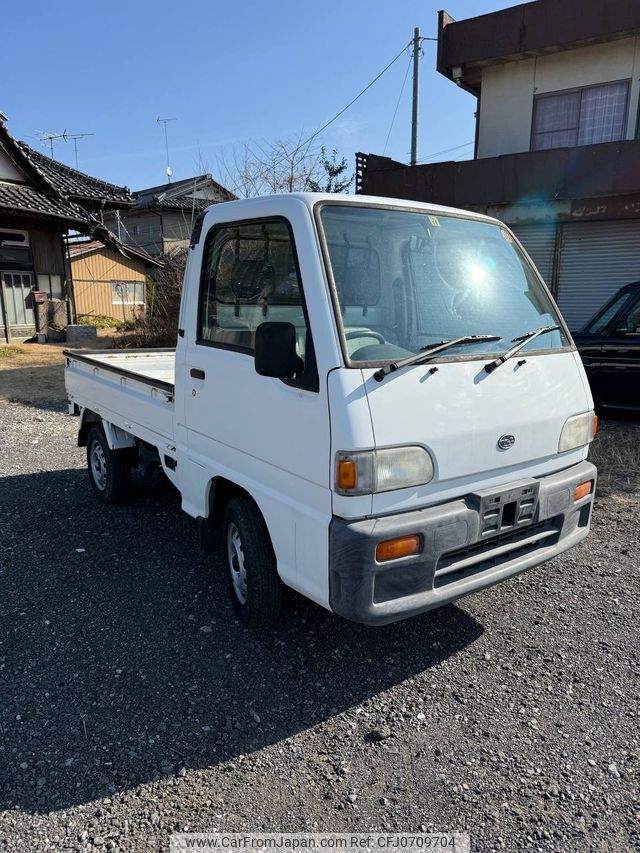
459,412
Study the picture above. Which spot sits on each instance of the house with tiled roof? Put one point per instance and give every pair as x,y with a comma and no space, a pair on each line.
41,200
162,217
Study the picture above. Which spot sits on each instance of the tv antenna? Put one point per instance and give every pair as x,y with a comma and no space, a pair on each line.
165,122
76,137
43,136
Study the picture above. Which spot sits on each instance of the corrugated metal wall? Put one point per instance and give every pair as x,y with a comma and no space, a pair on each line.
96,297
540,242
93,274
596,258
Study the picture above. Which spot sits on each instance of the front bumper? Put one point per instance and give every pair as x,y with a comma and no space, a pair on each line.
467,545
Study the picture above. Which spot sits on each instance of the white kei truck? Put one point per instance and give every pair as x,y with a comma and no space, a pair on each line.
375,402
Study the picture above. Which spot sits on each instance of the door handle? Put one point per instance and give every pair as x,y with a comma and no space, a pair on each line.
196,373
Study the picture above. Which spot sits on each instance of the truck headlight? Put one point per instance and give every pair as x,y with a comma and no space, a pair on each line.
367,472
577,431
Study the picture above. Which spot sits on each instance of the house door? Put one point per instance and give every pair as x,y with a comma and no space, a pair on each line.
16,291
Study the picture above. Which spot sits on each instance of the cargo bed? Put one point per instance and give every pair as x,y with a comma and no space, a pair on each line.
132,389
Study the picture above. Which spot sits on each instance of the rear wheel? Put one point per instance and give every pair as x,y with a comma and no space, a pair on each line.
109,471
256,589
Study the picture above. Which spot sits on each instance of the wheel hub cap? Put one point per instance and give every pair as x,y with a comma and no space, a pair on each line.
235,557
98,466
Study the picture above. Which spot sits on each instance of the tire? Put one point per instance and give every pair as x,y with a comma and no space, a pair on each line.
255,588
109,471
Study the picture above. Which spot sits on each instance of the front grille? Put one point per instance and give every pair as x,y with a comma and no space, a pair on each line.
465,562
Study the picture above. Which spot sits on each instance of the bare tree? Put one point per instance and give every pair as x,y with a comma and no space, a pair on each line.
285,166
159,325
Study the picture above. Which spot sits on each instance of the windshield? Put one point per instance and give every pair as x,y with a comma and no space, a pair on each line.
408,280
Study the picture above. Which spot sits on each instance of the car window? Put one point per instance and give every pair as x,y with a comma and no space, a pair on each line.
405,280
632,323
602,320
250,276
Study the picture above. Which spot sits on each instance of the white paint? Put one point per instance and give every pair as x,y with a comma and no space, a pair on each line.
508,89
8,169
279,442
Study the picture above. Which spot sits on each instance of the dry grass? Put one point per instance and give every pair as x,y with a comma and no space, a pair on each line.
616,454
34,373
10,351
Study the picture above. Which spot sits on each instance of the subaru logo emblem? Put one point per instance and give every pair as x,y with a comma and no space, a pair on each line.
506,441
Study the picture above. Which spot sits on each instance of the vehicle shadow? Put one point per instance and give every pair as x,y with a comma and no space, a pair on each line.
121,660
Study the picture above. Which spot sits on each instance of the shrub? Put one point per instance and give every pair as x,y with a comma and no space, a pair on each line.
100,321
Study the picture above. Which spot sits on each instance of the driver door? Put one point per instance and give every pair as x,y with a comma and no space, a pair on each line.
268,435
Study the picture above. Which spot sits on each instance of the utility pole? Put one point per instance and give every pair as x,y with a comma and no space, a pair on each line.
416,91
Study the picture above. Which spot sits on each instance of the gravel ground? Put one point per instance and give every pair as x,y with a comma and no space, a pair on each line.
133,705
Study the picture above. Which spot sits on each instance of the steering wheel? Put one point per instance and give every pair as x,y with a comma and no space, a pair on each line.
364,333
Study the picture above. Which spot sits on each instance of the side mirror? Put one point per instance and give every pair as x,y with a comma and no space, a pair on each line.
275,350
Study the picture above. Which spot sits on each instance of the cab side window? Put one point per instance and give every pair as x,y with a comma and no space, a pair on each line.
250,275
633,320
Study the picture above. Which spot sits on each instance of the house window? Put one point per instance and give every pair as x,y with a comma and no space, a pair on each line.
51,284
580,116
127,292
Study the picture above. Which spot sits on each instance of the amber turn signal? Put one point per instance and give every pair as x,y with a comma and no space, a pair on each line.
403,546
582,490
346,478
595,426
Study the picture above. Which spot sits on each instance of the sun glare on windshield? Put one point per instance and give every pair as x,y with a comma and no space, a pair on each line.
405,280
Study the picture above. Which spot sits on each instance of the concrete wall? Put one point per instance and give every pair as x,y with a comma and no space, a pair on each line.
508,89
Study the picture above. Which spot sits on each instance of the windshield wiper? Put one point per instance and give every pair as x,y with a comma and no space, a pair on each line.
426,353
520,342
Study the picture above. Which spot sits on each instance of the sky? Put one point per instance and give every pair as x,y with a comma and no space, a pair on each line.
228,73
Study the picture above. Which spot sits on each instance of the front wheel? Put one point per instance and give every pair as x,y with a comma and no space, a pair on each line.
256,589
109,471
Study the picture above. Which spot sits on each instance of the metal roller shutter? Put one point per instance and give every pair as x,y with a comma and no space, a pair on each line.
540,242
596,258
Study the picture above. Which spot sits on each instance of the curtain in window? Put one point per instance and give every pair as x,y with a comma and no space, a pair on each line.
556,121
602,113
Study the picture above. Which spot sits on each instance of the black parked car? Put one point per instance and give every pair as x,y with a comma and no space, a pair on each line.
610,348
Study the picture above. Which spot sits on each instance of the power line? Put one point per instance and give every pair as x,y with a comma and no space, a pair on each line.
445,151
395,112
357,97
309,139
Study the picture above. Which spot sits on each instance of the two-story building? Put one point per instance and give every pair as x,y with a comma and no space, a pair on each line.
162,217
557,148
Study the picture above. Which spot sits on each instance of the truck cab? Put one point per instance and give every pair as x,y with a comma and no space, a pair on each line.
375,402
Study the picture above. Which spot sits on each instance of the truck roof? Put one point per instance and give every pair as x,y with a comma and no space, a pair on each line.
311,199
